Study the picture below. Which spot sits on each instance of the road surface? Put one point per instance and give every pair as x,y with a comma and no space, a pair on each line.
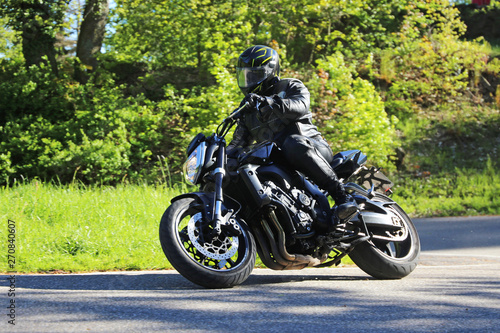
455,288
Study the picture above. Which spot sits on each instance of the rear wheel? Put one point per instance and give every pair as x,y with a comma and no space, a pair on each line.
389,255
213,262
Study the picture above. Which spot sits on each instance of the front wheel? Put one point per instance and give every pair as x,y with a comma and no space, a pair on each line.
390,256
213,262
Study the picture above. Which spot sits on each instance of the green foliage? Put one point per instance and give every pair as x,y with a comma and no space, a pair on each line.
464,136
351,110
8,47
429,63
312,29
463,192
197,33
37,22
32,91
168,73
92,132
451,162
26,14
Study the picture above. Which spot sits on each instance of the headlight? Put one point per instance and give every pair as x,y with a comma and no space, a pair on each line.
194,164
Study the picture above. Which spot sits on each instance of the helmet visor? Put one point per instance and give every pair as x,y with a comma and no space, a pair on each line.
251,76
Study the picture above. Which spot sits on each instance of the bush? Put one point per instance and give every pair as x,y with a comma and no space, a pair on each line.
351,112
135,115
57,128
430,64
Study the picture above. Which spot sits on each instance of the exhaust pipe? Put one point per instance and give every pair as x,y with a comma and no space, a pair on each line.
281,257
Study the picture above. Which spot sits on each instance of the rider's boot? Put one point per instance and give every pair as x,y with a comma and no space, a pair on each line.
346,206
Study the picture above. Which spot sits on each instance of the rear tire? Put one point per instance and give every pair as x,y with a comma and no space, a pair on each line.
389,260
224,262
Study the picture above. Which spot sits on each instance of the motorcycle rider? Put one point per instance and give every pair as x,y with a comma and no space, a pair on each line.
280,113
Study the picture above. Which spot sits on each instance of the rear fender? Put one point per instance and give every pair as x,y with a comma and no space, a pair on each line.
374,213
382,218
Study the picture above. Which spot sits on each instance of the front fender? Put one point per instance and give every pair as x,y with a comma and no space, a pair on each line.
199,196
206,199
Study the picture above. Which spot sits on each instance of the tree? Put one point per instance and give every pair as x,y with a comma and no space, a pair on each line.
38,22
92,32
175,33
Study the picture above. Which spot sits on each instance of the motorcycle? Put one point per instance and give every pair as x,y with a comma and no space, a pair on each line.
211,236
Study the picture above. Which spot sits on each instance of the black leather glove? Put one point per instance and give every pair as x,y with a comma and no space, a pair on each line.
254,99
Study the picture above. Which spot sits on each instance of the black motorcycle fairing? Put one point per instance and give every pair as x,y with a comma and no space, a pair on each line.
286,180
275,186
200,137
281,177
248,173
277,174
210,155
255,175
261,154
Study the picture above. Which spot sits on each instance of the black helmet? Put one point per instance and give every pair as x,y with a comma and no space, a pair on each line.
257,67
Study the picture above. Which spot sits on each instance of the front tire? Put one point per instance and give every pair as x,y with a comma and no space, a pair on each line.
223,262
385,259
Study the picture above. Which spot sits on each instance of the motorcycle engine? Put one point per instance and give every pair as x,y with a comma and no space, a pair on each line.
298,204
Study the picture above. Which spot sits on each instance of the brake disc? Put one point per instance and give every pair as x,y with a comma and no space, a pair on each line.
219,248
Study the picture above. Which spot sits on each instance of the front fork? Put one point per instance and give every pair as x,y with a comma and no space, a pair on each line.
223,220
219,173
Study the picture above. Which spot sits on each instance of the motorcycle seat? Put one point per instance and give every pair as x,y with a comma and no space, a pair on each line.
336,162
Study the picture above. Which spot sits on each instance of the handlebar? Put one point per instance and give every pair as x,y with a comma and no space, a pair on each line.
238,112
229,122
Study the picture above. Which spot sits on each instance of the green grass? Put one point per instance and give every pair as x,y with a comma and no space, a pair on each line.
73,228
495,51
451,163
465,192
495,48
77,228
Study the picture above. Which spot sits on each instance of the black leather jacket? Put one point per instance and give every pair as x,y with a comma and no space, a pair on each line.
288,113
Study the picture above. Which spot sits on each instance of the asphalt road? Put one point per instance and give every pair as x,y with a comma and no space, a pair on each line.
456,288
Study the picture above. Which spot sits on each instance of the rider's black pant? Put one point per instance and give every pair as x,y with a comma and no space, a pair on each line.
312,157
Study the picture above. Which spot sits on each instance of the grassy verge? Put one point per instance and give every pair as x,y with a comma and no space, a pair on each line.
73,228
451,163
495,48
466,192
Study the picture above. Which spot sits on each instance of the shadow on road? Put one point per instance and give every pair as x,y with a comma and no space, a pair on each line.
161,280
267,302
